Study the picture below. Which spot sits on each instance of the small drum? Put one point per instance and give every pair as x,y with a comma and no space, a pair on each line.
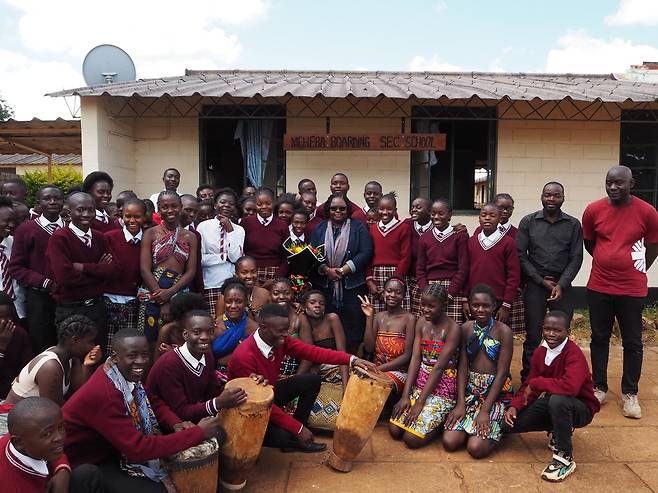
195,469
364,399
245,428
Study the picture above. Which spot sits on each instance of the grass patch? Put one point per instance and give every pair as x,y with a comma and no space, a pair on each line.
581,330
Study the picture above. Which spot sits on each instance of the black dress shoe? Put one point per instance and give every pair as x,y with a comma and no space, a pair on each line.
310,448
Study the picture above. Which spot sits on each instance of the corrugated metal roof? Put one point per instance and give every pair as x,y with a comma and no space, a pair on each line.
404,85
49,136
38,159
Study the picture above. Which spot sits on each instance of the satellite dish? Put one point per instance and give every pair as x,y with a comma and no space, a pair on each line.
106,64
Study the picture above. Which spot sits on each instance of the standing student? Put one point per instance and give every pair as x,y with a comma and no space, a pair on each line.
21,212
419,223
443,259
168,262
308,201
121,293
99,185
15,345
494,261
121,199
222,244
8,284
557,396
15,189
284,207
306,185
550,246
171,180
189,219
391,241
372,193
205,192
341,184
29,266
206,211
246,207
81,264
249,191
264,237
621,234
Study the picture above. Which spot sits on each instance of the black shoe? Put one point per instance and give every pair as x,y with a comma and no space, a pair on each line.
313,447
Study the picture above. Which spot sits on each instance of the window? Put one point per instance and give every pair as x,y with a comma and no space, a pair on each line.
464,171
639,151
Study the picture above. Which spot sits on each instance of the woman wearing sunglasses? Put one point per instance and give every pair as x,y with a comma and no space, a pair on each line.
342,276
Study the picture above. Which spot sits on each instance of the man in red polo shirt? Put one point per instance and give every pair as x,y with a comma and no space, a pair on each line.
620,231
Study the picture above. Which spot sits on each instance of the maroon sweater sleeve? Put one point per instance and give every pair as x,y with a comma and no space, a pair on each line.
19,264
283,265
316,354
421,264
458,281
513,269
62,268
576,372
104,271
402,268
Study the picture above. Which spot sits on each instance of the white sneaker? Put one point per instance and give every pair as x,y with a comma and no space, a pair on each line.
600,395
559,469
632,407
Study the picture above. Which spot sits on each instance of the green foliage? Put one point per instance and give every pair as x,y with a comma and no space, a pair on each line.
6,111
64,177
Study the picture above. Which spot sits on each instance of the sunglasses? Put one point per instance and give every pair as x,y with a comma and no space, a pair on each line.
338,208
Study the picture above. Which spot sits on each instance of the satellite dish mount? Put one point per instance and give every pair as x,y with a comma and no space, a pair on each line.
107,64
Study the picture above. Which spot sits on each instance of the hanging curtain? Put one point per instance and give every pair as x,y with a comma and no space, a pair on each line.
254,137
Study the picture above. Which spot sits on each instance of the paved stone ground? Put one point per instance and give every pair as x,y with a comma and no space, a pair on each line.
613,454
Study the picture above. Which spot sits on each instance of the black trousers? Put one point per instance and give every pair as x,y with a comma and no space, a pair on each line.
536,305
117,481
306,387
96,311
41,319
350,314
557,413
86,478
603,309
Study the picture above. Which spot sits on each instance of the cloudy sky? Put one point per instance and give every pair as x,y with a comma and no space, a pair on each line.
43,42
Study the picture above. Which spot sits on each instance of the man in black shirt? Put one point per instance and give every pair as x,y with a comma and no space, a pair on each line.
550,245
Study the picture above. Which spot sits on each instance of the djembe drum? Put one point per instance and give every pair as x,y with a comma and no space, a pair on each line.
245,427
195,469
364,399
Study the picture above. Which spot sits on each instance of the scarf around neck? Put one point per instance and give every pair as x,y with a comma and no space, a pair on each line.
335,253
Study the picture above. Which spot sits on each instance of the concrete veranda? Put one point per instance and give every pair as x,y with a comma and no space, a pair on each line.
612,454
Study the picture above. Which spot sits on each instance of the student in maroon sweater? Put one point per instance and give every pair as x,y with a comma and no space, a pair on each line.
419,223
308,201
81,264
557,396
29,266
494,261
340,183
31,454
264,237
184,378
262,354
124,440
99,185
15,346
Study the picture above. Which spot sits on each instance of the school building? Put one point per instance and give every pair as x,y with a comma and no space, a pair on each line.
477,134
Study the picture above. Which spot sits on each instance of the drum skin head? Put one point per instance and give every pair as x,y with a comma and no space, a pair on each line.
374,375
256,393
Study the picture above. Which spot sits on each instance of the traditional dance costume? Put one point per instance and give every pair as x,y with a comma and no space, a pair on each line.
415,293
389,346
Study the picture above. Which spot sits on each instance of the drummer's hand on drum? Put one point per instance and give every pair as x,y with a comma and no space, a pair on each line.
183,425
231,397
259,379
402,405
363,364
210,426
305,436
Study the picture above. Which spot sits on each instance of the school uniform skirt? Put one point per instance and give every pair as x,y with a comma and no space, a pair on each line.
210,295
415,295
516,320
265,274
120,316
454,308
381,274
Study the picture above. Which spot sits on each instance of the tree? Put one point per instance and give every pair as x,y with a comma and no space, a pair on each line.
6,111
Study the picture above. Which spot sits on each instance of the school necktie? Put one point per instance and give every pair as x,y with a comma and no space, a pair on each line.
86,239
51,228
501,229
103,218
7,286
135,241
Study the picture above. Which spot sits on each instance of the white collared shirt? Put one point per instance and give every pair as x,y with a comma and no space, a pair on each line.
198,364
422,228
129,236
263,347
43,222
388,226
504,228
81,234
217,266
486,242
442,235
102,216
294,237
265,221
551,354
37,465
19,289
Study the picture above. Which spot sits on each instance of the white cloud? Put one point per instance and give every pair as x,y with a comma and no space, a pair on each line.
577,52
441,6
644,12
421,64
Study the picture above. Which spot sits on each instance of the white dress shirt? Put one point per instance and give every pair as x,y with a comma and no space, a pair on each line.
551,354
81,235
265,221
217,264
294,237
263,347
19,290
36,467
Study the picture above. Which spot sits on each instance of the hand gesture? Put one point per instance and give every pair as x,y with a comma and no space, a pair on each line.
226,223
402,406
332,273
59,483
366,307
503,314
510,416
183,425
93,357
455,416
259,379
165,312
466,310
548,284
527,393
164,347
7,328
556,293
482,425
231,397
210,426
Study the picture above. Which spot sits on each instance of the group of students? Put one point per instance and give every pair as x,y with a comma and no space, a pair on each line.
210,299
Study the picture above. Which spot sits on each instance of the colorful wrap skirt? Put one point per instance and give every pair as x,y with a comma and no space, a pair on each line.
477,390
149,321
381,274
389,346
327,404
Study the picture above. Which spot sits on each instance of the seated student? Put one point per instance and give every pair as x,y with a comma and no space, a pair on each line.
99,185
15,346
430,392
282,294
390,334
185,378
484,387
170,335
125,439
557,396
81,264
121,293
262,354
31,454
247,272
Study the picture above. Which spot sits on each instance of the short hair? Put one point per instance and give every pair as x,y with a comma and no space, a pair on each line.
503,196
310,293
75,326
264,191
561,315
436,291
286,198
128,193
6,202
169,193
135,201
17,181
244,259
373,182
5,299
272,310
187,302
164,173
46,187
553,183
390,196
189,196
302,181
443,201
195,313
234,283
96,177
340,173
226,191
128,333
27,407
483,289
335,195
301,212
490,204
396,279
203,186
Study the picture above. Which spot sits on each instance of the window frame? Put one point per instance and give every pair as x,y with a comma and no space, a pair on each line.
641,117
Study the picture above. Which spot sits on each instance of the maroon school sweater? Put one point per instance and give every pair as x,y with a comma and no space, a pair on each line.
105,227
447,259
28,264
127,255
248,359
512,231
312,224
497,267
188,393
18,354
415,238
392,248
98,427
265,243
568,375
64,249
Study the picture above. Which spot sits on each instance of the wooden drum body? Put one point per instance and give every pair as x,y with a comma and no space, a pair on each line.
195,469
245,428
364,399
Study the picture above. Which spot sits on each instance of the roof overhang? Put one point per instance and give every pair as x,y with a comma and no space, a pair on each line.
45,137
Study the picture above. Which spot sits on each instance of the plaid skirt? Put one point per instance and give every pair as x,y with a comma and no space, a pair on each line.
381,274
120,316
516,320
415,294
210,295
454,308
265,274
